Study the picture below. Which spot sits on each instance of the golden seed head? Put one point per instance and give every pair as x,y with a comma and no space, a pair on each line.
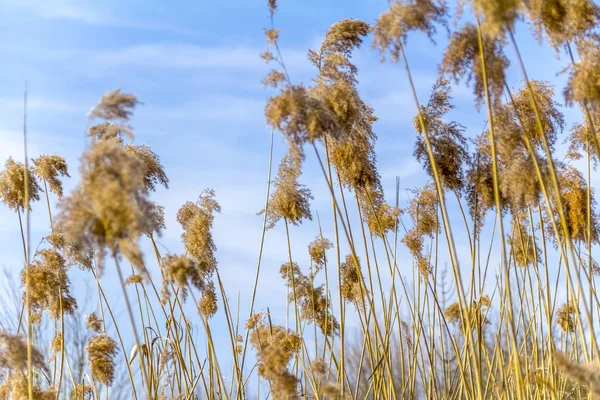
331,391
108,131
94,323
110,207
16,387
114,105
581,139
574,192
81,391
563,21
317,250
12,186
318,367
207,305
290,200
393,26
49,285
447,140
583,85
423,210
312,301
274,78
351,287
300,117
462,60
134,279
272,35
523,247
344,36
379,216
476,312
275,347
73,253
56,345
181,270
155,173
254,320
101,352
497,15
566,317
48,169
13,354
586,375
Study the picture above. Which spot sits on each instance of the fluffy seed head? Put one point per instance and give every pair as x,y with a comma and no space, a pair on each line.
300,117
12,185
462,60
49,285
81,391
317,250
197,221
290,200
566,317
48,169
101,352
114,105
110,207
93,322
393,26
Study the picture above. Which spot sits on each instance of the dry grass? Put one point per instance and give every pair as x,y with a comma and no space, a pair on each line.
521,328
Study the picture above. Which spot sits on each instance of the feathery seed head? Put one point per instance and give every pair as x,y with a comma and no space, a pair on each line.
563,21
207,305
93,322
12,185
181,271
81,391
290,200
497,15
114,105
110,207
49,169
49,285
300,117
155,173
462,60
197,221
567,316
101,352
393,26
351,289
317,250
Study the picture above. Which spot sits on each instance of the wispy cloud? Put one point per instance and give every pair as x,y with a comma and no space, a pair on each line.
40,104
189,55
88,12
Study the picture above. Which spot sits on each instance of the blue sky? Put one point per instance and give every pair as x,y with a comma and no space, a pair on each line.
195,65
